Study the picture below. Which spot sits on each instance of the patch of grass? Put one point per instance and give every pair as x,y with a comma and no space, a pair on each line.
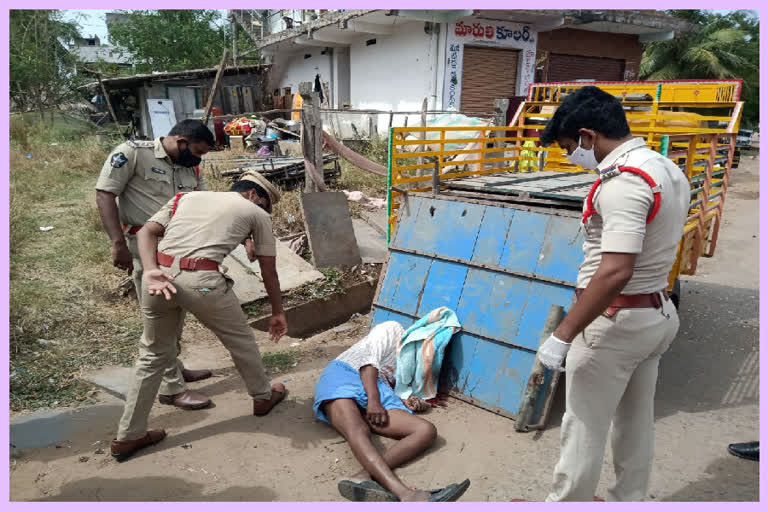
65,316
332,283
281,361
287,217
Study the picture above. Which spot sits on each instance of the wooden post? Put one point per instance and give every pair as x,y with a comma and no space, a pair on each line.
311,135
500,107
109,105
215,87
436,177
537,378
422,147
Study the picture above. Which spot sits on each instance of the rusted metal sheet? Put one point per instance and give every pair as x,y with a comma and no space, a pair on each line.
501,268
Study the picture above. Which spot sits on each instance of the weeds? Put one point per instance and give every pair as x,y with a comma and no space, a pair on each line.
281,361
63,318
330,285
66,316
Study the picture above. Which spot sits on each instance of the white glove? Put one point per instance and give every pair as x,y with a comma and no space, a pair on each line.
552,353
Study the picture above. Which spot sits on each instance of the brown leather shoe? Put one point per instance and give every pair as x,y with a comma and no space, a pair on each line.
195,375
186,400
121,450
262,407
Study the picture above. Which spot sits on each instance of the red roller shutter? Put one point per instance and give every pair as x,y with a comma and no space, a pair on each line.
564,68
487,74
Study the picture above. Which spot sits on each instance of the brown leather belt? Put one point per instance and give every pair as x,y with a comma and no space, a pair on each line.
166,260
131,230
643,300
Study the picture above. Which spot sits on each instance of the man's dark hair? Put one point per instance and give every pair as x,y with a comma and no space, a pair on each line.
589,107
246,185
194,131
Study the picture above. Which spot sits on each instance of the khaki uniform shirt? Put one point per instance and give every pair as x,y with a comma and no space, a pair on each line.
623,204
143,177
210,225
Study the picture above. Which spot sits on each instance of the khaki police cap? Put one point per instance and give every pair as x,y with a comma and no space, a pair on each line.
256,177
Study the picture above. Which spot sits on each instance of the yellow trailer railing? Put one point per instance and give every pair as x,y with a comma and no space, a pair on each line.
664,91
704,157
703,145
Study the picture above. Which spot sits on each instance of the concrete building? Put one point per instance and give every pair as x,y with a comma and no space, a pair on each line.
457,59
90,51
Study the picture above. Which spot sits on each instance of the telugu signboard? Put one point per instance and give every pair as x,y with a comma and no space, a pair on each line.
487,33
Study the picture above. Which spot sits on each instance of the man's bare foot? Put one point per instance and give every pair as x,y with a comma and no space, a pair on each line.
360,477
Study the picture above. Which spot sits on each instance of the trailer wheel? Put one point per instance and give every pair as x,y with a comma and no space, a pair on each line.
675,295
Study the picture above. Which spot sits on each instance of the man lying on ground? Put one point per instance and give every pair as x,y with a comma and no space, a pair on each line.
355,395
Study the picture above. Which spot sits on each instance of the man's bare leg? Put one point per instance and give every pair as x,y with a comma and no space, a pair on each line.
346,418
414,436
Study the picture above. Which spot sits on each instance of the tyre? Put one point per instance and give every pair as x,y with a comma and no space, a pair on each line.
675,295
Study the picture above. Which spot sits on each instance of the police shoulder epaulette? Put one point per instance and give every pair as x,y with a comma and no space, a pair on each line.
609,172
141,143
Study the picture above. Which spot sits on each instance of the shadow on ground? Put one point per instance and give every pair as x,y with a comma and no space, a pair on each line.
153,489
714,361
726,479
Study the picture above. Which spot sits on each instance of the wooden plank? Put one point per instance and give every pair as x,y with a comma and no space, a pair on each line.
109,106
311,135
329,229
215,87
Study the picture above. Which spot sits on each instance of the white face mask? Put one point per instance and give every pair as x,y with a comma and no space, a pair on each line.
583,157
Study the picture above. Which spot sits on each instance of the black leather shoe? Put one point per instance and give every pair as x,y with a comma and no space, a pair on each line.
749,451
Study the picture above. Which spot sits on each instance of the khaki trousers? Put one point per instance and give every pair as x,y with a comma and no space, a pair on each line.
610,380
173,380
208,296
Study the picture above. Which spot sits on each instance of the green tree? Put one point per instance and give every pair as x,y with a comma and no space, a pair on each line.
172,40
722,46
42,69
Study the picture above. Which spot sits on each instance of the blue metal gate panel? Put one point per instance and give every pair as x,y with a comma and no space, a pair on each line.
500,268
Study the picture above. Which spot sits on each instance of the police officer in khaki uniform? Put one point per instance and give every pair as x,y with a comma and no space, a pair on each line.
622,320
143,176
183,273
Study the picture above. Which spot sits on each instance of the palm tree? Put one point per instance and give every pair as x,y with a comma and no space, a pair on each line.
720,47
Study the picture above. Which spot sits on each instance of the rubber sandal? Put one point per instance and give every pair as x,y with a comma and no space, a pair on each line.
451,493
367,490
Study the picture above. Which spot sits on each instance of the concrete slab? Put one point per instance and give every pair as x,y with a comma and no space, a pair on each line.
44,428
317,315
377,219
292,269
371,243
114,380
248,287
329,229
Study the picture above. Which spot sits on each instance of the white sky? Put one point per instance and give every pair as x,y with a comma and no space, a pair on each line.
93,21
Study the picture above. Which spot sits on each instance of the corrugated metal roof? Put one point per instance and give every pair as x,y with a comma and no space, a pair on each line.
126,81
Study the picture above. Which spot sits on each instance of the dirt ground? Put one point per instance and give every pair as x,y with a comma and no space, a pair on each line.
707,397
